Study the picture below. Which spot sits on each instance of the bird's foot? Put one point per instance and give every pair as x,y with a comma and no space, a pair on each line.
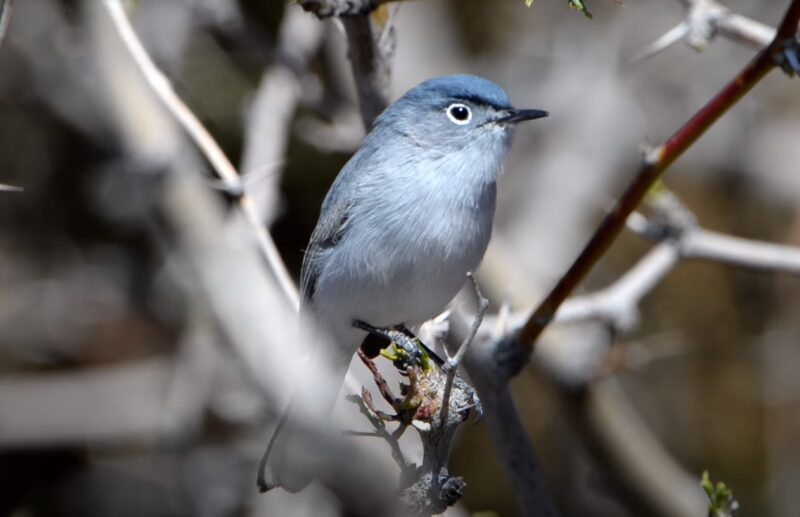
403,348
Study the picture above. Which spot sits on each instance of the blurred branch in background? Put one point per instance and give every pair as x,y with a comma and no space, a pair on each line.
705,20
205,142
678,237
6,7
250,308
273,108
639,463
369,26
371,46
497,361
655,162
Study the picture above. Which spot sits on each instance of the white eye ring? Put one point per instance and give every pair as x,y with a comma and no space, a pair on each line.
459,114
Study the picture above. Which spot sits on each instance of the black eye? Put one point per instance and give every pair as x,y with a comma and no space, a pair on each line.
459,113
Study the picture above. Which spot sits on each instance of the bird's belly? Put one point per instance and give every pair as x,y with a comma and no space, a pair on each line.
398,287
412,298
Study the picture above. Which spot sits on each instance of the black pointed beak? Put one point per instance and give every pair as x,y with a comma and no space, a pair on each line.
514,116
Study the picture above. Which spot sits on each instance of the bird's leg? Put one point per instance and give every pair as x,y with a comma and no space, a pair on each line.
408,349
380,382
433,355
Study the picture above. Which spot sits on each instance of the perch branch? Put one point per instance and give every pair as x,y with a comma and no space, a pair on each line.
510,439
679,238
161,86
427,489
655,162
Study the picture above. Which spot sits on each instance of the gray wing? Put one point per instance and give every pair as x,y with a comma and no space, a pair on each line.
336,210
331,226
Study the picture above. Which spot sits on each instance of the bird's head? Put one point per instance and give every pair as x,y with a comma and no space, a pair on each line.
453,112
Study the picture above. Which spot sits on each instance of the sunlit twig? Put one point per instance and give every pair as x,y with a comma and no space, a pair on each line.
204,141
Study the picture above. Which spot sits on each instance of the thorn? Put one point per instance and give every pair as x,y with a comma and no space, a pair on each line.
671,37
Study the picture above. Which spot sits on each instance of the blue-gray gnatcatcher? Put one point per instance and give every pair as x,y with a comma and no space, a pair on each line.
405,220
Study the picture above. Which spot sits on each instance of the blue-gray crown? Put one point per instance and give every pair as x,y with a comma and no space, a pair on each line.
463,87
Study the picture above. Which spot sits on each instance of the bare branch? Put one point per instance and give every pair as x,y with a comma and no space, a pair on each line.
669,38
10,188
655,163
95,401
490,376
705,19
455,360
204,141
429,488
763,256
273,107
483,306
5,17
371,46
618,304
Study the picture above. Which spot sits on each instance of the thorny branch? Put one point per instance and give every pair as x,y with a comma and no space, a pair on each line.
678,237
655,162
204,141
636,459
706,19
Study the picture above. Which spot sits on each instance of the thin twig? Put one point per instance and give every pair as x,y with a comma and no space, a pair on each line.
5,17
204,141
705,19
10,188
668,39
746,253
483,306
453,361
654,164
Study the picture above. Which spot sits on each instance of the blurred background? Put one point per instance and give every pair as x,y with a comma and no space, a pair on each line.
118,395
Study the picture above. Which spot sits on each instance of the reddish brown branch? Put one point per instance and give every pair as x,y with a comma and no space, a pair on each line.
653,165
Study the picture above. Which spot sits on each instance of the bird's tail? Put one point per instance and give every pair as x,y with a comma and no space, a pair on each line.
273,469
290,459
